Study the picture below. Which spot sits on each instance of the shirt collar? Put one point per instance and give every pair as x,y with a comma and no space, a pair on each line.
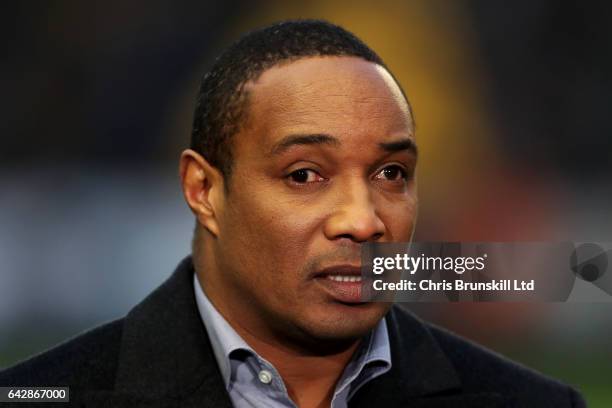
223,337
372,359
224,340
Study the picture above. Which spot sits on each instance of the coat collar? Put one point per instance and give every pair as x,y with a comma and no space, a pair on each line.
166,360
421,375
165,353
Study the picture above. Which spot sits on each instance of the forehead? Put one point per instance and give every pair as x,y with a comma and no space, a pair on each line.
347,97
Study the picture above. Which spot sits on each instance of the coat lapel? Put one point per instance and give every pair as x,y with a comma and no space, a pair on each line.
421,374
166,358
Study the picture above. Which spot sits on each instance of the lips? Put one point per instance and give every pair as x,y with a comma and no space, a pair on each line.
342,282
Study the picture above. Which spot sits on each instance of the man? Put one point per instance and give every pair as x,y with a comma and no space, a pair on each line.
303,149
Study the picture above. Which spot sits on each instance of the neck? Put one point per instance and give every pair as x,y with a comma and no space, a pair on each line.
310,375
310,378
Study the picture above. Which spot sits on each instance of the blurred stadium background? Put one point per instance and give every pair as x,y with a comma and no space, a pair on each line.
512,103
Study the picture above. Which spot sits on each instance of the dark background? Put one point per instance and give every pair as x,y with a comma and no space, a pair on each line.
512,103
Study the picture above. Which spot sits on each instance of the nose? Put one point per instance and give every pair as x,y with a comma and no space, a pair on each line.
355,216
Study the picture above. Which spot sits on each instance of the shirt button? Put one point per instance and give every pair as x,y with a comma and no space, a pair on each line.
265,376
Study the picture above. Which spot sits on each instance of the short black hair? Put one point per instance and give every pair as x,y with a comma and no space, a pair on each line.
222,99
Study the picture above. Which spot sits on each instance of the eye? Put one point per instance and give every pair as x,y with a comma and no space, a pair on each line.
392,173
304,176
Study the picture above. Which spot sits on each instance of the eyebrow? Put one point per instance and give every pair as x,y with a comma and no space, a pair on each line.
400,145
323,139
293,140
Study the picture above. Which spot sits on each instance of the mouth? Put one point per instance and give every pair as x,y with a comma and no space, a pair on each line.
342,282
344,278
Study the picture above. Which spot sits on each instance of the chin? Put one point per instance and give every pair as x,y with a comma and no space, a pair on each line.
343,326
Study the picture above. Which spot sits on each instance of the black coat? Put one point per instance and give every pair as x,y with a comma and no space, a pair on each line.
159,355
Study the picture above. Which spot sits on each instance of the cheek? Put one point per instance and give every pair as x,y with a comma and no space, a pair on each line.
400,218
264,228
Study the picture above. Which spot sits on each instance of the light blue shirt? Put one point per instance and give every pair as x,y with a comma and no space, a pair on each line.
251,381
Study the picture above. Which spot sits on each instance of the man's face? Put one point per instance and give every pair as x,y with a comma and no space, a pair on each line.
323,164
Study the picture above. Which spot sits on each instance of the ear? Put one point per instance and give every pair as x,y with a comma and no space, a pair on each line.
202,188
